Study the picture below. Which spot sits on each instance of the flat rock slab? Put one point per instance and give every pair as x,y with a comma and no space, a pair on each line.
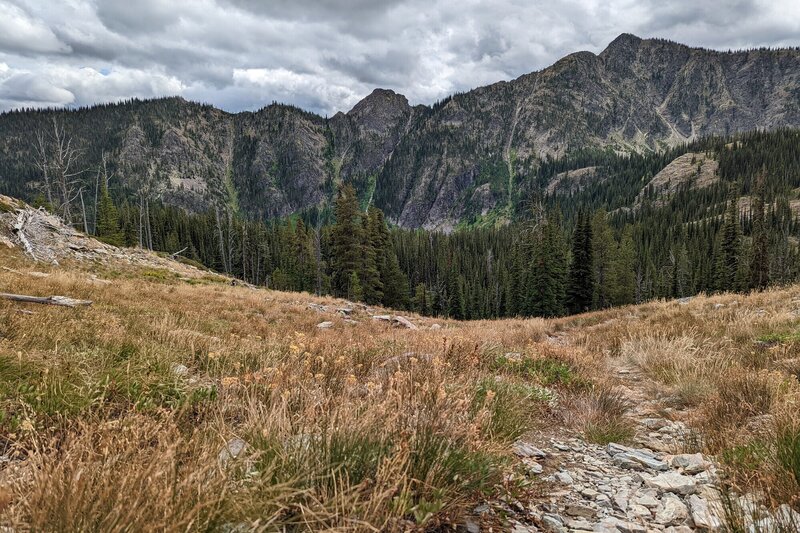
672,482
690,463
626,457
523,449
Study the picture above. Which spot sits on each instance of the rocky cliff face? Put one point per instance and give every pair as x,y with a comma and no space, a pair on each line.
424,166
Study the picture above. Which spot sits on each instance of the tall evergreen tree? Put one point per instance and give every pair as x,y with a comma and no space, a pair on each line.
729,248
374,250
622,289
108,224
546,280
346,243
603,247
759,249
580,288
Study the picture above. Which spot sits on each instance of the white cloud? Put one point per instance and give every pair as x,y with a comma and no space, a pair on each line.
58,85
21,33
324,55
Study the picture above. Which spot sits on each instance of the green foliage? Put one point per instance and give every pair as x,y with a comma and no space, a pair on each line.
512,407
787,449
580,287
545,370
108,227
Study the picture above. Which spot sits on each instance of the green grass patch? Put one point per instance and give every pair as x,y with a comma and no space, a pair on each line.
439,467
513,407
750,456
787,449
547,371
779,337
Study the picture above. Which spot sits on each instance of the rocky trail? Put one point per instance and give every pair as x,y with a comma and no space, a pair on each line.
651,485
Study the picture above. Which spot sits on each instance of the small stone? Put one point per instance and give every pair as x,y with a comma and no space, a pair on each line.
553,523
565,478
534,467
673,511
611,524
624,455
180,370
579,524
580,511
232,449
702,515
471,526
403,321
787,516
690,463
637,510
655,423
672,482
436,326
325,325
678,529
482,509
620,500
589,493
561,447
647,500
523,449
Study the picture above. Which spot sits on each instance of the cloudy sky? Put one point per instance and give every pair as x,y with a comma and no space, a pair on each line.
325,55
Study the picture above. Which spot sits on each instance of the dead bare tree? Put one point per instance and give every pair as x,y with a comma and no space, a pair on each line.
102,173
57,159
64,162
42,163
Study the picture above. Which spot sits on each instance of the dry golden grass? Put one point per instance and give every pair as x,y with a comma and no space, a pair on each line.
359,427
362,427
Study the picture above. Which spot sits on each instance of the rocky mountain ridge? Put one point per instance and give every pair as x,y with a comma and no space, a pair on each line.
425,166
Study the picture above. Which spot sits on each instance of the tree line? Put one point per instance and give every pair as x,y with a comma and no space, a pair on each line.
561,254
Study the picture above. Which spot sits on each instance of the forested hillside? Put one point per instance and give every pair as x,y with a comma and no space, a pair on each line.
475,155
575,248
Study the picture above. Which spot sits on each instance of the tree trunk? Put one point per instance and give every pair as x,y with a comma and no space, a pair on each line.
51,300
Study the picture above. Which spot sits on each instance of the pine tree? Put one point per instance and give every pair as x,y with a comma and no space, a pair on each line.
346,242
580,288
759,250
603,246
547,274
622,290
108,227
457,304
420,300
729,249
354,291
373,247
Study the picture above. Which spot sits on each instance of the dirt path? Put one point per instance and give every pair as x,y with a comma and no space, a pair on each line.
646,486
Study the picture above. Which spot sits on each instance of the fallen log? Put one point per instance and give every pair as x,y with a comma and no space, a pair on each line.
50,300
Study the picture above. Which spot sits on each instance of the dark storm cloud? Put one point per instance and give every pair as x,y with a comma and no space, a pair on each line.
324,55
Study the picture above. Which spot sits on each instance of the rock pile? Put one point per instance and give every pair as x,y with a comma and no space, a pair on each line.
45,238
618,488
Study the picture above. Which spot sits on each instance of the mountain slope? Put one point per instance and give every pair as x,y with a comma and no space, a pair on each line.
424,166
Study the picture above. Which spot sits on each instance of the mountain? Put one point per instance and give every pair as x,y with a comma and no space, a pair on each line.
473,155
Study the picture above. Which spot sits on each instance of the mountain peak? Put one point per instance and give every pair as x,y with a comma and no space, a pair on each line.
623,41
379,97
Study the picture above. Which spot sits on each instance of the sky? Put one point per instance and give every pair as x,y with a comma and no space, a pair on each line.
325,55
